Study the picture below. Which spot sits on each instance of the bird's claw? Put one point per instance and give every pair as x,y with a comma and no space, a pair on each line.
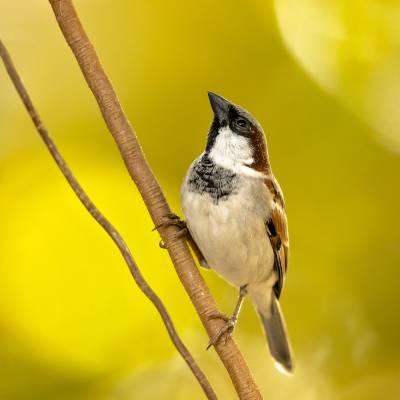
218,315
183,232
224,333
172,219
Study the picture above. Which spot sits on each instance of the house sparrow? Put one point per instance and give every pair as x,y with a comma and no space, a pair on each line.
235,213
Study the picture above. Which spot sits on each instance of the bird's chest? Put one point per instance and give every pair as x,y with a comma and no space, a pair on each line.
230,230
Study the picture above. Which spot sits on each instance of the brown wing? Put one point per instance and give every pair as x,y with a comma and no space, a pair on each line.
277,229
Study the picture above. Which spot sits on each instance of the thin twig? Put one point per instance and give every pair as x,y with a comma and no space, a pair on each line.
152,194
108,227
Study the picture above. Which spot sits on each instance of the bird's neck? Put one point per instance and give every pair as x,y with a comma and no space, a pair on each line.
230,150
239,154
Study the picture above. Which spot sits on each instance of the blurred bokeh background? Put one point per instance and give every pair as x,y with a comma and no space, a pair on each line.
323,79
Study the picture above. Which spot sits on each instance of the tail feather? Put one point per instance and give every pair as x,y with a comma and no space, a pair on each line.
277,337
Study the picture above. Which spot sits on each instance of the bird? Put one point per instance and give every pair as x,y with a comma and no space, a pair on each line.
235,214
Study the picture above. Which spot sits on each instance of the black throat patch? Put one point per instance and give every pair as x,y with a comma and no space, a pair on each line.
218,182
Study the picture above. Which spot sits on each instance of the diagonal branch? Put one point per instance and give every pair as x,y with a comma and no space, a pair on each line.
150,190
107,226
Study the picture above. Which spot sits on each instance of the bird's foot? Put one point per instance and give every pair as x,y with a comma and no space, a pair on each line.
218,315
169,220
226,331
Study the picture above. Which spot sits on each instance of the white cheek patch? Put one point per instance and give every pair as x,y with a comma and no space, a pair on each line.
233,152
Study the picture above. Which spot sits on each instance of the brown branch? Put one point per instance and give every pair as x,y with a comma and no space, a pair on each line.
108,227
150,190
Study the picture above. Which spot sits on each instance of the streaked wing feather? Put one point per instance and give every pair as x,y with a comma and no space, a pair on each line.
278,233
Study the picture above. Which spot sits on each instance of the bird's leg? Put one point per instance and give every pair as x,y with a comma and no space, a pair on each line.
172,219
230,322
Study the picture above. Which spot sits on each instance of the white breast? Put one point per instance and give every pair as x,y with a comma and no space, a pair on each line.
231,234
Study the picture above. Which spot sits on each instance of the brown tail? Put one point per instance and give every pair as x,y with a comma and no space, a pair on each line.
277,337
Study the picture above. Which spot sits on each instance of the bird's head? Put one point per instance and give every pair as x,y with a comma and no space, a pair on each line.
236,140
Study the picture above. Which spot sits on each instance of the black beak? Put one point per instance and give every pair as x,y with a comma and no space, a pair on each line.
220,107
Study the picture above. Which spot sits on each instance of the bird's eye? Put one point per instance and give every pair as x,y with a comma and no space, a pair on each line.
241,122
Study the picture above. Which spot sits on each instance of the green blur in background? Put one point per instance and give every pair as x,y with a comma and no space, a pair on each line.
322,77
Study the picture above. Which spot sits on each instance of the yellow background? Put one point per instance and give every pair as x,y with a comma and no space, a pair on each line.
321,77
